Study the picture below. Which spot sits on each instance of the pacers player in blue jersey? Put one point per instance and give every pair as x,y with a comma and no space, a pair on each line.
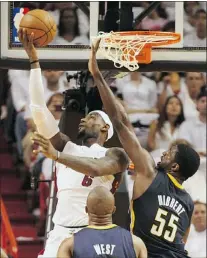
162,208
102,239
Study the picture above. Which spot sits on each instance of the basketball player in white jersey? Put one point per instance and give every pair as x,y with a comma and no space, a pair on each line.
73,187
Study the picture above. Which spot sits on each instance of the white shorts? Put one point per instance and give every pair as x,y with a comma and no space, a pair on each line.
55,238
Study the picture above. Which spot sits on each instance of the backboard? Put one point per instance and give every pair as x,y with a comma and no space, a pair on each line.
102,16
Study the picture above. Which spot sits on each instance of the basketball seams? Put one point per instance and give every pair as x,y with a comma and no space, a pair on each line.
24,27
38,19
49,25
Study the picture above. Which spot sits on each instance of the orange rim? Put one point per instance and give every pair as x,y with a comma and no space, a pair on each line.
162,42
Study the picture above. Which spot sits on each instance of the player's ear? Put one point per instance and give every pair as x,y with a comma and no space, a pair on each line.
175,167
86,209
114,210
105,128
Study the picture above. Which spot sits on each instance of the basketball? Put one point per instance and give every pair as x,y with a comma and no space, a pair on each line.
42,24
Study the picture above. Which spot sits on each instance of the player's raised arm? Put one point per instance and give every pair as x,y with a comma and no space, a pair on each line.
66,248
140,157
115,160
43,118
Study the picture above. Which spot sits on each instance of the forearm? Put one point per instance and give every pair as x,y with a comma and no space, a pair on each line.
113,108
86,166
44,120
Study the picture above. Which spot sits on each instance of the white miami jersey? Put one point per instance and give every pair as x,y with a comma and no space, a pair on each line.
74,187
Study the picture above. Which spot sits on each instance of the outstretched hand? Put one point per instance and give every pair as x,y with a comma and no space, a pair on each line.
27,42
92,63
44,146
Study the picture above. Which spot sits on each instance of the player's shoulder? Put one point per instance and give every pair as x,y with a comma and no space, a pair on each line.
118,153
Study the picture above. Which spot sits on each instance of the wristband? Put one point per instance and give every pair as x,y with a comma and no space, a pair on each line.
35,61
58,155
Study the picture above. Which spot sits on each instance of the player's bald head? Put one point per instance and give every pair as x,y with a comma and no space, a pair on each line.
100,201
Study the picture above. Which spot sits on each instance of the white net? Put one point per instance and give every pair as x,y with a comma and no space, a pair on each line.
123,50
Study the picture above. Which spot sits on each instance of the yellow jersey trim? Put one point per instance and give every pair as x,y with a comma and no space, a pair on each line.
102,227
175,182
132,217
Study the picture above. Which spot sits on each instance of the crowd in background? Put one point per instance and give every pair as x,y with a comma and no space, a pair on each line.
74,25
164,108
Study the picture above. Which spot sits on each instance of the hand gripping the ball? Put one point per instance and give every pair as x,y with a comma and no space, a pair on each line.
44,146
27,42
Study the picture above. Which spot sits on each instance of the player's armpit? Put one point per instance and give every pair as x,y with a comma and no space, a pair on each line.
66,248
139,247
59,141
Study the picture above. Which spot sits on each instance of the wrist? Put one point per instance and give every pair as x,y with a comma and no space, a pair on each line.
57,156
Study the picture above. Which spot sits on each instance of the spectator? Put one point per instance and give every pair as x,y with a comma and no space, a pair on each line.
190,8
193,81
139,96
197,38
156,19
20,94
69,31
194,131
169,27
170,84
164,130
196,243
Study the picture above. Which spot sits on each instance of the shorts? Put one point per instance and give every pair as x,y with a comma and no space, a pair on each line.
55,238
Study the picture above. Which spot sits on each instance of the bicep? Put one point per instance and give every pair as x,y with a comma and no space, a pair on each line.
115,161
139,156
66,249
59,141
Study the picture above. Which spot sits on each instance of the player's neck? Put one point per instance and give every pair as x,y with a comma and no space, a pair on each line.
95,220
177,177
90,141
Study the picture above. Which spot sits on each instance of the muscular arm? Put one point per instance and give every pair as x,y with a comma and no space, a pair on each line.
44,120
120,120
66,248
139,247
115,161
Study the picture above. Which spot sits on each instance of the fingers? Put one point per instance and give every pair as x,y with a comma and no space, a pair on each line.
20,34
95,46
31,38
40,140
24,36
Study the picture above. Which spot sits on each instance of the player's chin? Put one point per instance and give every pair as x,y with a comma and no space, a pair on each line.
81,133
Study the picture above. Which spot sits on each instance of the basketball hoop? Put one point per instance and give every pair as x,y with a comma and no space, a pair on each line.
129,48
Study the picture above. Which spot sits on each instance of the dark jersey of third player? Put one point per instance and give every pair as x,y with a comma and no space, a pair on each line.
161,216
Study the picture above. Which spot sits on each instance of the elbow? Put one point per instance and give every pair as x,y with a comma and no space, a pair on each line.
119,122
95,171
